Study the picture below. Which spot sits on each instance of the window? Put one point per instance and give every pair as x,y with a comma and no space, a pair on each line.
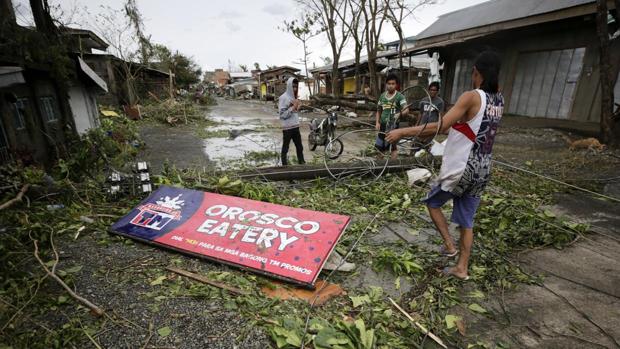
19,113
48,108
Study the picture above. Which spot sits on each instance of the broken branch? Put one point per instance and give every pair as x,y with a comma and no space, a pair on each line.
17,198
94,309
420,326
205,280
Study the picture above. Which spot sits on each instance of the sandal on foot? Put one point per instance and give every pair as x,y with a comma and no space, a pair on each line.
446,272
444,252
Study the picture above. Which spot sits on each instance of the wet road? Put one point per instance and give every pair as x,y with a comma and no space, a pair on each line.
243,127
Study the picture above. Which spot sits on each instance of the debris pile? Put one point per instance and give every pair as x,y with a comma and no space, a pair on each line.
171,112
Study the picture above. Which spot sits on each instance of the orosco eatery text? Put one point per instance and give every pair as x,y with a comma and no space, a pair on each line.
263,229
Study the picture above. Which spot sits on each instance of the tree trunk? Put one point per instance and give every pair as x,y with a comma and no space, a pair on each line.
42,18
400,59
335,77
372,73
358,86
7,14
606,123
306,67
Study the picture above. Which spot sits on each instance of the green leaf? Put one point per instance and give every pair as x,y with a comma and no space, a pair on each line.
476,294
164,331
477,308
158,281
359,300
451,321
316,325
367,337
74,269
223,181
414,232
62,299
329,338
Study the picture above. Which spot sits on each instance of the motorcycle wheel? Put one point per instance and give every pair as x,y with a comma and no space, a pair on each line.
312,141
334,149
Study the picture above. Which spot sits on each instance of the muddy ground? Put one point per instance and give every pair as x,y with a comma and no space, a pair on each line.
577,305
582,282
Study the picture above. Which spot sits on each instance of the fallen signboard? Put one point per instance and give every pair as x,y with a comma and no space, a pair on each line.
284,242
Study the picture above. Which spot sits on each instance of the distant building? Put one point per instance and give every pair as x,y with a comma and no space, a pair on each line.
272,81
415,70
218,77
549,51
147,81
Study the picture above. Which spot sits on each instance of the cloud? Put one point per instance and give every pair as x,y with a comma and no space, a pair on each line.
230,14
232,26
276,9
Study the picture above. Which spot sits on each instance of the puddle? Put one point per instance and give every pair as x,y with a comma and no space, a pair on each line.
226,151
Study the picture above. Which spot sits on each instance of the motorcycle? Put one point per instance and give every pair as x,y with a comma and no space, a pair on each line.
323,133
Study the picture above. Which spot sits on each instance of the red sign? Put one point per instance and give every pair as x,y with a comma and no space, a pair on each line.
289,243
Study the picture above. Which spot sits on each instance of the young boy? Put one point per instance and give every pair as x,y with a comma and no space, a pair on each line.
390,103
466,164
288,106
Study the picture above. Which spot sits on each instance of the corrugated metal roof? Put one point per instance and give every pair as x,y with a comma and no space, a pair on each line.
492,12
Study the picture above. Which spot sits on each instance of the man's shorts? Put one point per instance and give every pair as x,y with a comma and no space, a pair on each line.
464,208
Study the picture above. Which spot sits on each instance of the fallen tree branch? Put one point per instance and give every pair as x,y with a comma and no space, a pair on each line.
17,198
420,326
94,309
203,279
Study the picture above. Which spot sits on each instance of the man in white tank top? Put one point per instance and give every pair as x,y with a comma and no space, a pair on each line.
471,125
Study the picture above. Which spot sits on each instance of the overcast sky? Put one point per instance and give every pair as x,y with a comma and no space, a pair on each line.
243,31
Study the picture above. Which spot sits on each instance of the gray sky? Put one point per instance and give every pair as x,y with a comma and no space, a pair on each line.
244,31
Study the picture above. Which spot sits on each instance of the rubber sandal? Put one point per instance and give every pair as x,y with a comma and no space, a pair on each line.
446,272
445,253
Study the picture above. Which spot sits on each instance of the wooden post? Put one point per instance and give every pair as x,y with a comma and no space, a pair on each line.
607,103
409,72
171,83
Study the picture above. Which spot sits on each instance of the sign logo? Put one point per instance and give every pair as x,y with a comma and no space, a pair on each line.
156,216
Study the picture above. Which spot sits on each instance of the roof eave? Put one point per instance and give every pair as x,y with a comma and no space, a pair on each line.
466,34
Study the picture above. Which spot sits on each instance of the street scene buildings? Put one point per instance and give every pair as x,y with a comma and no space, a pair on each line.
310,174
